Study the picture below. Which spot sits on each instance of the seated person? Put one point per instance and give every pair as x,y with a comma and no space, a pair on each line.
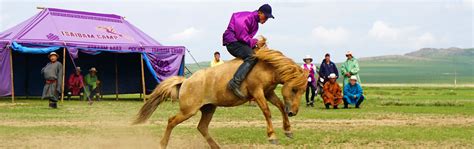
332,92
91,84
75,84
353,93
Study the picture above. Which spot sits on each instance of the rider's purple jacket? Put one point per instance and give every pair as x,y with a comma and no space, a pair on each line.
242,27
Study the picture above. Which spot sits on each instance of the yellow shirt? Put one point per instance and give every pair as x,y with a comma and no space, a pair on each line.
214,63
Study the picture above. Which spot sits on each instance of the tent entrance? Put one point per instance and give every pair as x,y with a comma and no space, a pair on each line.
119,73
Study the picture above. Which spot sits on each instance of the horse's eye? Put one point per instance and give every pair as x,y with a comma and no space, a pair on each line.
295,90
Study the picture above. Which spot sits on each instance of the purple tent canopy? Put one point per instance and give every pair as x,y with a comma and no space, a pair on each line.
87,32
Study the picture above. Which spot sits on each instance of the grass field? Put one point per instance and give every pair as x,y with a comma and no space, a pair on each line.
394,117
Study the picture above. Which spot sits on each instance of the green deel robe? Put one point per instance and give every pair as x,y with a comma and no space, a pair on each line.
351,66
90,84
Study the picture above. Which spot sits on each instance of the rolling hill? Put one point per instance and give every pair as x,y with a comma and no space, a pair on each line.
425,66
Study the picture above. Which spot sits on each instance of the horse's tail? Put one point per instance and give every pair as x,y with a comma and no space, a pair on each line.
169,88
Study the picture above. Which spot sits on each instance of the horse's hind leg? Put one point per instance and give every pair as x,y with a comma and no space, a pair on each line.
273,98
207,112
172,122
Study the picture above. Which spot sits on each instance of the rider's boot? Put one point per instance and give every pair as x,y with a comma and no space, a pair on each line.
239,76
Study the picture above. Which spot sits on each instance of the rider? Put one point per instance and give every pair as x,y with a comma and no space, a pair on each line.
239,41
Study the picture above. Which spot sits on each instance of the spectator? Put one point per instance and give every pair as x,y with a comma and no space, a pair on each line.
75,84
52,74
350,68
311,87
217,60
91,84
353,93
327,68
332,92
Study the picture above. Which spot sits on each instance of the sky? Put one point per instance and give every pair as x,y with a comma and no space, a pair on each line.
301,27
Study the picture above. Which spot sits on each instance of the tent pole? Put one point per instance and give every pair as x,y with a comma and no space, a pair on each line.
143,78
116,78
64,74
11,73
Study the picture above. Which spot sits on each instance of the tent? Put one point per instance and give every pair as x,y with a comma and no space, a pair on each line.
119,50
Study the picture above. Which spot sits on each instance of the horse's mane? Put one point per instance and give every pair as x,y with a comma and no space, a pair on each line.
286,68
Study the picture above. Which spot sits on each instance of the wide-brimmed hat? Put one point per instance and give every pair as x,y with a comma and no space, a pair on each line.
78,69
308,57
93,69
349,53
53,53
332,75
353,78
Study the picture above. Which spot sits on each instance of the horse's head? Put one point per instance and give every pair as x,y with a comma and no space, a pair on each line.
288,73
292,92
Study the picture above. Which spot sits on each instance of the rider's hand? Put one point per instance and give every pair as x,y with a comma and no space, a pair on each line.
261,41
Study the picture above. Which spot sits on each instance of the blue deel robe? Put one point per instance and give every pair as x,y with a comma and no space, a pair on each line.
351,90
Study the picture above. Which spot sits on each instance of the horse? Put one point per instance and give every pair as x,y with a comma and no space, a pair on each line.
207,89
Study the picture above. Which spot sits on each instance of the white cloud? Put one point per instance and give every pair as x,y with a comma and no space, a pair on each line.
330,36
186,34
402,36
382,31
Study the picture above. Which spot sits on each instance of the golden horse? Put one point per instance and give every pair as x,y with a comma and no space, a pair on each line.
207,89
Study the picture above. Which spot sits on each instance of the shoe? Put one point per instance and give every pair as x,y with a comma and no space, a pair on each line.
346,106
335,107
53,105
236,90
327,106
357,106
312,104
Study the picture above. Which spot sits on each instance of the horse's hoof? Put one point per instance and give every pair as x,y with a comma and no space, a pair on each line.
273,141
289,135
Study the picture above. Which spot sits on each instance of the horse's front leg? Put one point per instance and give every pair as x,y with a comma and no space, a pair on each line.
273,98
262,103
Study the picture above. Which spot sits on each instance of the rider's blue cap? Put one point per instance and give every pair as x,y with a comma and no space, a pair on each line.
267,10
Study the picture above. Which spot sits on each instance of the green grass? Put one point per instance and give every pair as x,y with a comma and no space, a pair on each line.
394,117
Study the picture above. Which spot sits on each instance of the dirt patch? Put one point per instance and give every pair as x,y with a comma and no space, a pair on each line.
307,123
143,141
316,123
12,104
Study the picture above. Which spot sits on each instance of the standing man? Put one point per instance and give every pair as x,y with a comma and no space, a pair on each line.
350,68
327,68
239,41
217,59
91,82
52,74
